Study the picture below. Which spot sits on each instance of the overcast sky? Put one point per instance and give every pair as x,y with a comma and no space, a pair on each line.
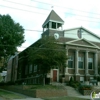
32,13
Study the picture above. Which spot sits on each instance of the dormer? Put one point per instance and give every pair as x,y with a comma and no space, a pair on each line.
53,21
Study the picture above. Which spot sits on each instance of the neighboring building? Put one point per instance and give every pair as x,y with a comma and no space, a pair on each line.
12,68
82,48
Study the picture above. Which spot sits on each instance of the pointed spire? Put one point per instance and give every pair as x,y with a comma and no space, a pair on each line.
53,17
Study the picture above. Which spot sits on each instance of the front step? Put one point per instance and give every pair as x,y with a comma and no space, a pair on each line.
72,92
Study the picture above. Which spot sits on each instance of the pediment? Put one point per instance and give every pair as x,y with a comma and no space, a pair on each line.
82,42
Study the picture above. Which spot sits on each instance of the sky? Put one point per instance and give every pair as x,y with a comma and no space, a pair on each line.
31,14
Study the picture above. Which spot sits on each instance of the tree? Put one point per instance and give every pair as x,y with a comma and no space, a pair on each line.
47,54
11,36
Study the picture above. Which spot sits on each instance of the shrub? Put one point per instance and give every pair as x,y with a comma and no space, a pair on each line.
85,87
98,78
74,84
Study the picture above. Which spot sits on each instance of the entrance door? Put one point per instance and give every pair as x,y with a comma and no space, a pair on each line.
54,75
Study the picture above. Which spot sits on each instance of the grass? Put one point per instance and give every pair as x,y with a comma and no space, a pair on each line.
46,87
10,95
65,98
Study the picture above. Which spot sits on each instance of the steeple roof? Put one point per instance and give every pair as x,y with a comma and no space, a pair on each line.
53,17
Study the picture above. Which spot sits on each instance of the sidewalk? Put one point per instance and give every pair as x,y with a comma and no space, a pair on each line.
85,97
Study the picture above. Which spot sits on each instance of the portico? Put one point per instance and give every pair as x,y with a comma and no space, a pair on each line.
82,62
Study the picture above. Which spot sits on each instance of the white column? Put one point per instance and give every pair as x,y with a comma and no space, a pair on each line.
86,62
56,25
96,63
61,27
50,24
76,62
66,69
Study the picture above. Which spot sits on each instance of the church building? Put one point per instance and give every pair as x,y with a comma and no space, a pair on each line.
82,48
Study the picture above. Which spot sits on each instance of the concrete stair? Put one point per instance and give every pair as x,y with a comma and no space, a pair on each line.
72,92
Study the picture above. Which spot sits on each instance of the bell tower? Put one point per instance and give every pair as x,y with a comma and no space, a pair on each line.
52,24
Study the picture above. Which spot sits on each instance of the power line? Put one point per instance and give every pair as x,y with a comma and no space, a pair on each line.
64,7
21,9
58,30
48,9
33,30
39,12
25,5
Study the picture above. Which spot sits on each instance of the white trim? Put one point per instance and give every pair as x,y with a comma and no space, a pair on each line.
83,29
83,45
95,46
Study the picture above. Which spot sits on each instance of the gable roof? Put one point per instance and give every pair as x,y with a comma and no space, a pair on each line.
53,16
88,43
85,30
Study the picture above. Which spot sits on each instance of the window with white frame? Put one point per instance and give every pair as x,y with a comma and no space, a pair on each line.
81,62
35,68
30,68
90,63
71,62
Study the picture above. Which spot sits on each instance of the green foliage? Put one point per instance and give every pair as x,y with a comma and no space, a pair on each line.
7,95
47,54
73,83
46,87
71,79
85,87
11,35
95,77
98,78
1,78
